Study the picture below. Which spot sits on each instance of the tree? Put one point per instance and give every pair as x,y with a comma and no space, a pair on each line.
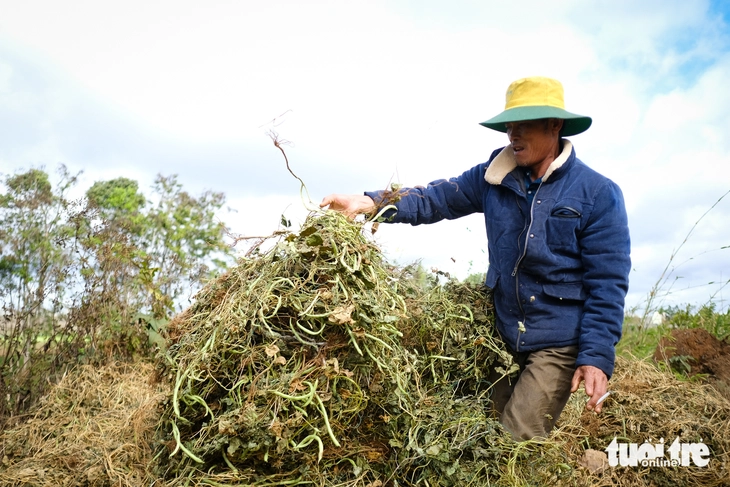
108,229
182,241
34,273
117,198
77,277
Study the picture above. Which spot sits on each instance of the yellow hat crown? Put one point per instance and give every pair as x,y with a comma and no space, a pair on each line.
535,91
537,98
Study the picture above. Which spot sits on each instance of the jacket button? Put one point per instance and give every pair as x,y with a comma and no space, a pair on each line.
539,201
522,343
532,235
532,299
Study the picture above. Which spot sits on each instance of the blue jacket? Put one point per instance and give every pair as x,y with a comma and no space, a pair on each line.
559,267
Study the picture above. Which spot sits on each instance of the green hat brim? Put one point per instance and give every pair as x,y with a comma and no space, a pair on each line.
573,124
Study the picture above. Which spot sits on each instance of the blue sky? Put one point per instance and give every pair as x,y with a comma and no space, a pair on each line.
379,91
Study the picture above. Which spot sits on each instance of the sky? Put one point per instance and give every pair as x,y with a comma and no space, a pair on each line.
367,93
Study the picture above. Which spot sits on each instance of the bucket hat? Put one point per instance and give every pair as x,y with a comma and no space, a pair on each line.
536,98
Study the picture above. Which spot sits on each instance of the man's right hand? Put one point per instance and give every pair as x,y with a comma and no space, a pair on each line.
350,205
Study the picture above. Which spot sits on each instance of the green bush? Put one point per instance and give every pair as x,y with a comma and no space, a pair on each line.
93,279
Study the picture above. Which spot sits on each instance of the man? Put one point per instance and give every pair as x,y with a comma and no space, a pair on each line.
558,244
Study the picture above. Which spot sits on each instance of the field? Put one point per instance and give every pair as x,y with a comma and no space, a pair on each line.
316,362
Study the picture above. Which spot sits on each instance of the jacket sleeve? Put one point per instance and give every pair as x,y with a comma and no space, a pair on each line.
441,199
605,251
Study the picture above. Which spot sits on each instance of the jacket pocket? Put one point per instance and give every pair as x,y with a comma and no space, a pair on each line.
565,212
572,291
562,227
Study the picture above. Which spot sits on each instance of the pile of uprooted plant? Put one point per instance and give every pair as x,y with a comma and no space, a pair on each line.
315,362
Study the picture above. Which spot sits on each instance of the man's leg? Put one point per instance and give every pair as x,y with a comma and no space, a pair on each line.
540,393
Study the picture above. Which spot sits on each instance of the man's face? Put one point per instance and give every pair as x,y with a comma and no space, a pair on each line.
534,141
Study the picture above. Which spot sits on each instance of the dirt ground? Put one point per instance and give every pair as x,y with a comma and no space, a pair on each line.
696,351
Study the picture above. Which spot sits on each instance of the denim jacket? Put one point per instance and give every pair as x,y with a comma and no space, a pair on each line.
559,266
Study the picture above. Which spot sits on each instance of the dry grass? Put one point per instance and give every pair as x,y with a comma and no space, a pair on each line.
649,404
95,428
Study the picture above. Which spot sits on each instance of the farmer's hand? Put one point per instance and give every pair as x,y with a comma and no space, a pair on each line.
596,384
350,205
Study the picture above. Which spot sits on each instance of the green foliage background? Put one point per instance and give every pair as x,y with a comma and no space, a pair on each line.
83,281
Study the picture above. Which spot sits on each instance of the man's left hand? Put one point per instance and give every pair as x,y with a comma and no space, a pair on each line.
596,384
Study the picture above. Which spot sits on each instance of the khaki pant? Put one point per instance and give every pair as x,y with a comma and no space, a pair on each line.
529,405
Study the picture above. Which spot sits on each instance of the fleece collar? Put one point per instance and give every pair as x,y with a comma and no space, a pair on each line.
505,162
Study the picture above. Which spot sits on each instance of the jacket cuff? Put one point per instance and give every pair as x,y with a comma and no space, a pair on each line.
377,197
602,363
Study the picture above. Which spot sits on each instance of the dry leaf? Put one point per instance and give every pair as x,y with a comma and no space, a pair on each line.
277,428
335,364
271,350
296,385
342,315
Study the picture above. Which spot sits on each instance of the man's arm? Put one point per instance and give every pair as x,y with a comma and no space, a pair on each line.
439,200
605,249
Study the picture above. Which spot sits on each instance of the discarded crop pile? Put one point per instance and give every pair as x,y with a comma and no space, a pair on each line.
316,362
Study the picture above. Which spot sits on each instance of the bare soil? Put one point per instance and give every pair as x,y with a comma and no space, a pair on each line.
699,351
